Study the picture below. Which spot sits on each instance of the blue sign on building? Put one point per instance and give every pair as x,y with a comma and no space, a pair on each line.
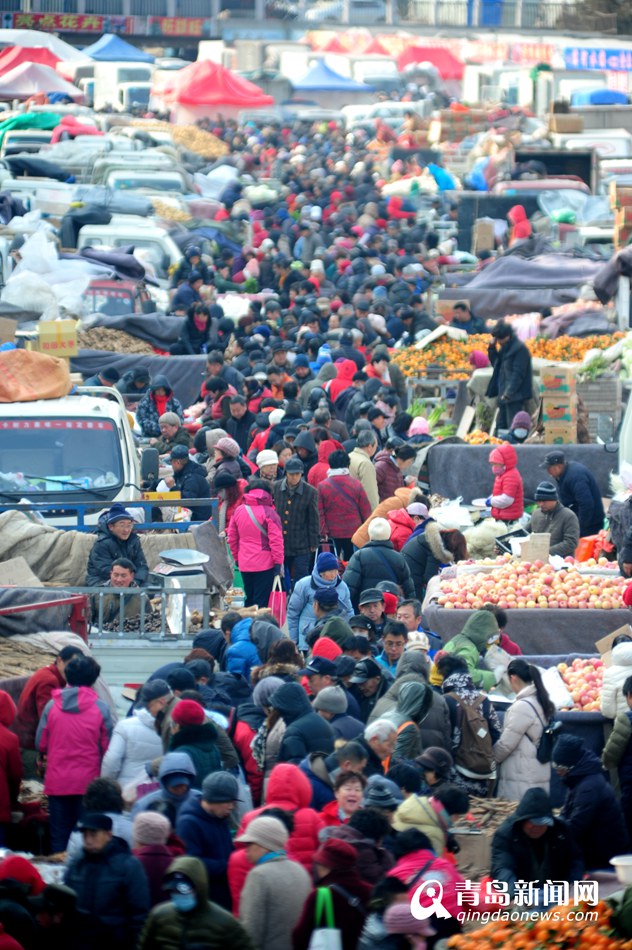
585,57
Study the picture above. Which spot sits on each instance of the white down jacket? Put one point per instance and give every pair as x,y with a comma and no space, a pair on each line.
516,749
613,701
134,742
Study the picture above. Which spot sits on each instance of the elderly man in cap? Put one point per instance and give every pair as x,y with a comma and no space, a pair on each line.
331,704
553,518
368,684
115,539
268,920
204,827
371,605
578,490
172,433
534,845
189,479
297,505
109,882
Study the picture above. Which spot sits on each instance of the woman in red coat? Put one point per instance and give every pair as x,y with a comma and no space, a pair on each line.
10,763
348,789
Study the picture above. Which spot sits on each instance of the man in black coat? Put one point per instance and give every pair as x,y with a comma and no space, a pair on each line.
115,540
533,845
297,505
578,490
240,422
370,681
591,809
190,480
512,380
306,731
109,882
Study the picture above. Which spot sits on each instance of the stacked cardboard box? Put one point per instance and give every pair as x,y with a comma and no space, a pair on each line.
559,403
602,400
621,204
455,126
565,124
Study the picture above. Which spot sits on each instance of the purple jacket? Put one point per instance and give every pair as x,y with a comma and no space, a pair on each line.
73,733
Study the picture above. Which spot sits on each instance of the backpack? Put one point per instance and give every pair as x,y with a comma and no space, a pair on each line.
474,757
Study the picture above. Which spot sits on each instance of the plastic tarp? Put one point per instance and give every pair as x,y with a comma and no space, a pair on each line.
115,202
185,373
15,55
29,79
321,77
46,121
448,66
518,285
206,83
159,329
110,48
599,97
35,38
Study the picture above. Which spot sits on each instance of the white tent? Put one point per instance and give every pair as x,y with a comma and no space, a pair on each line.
36,38
28,79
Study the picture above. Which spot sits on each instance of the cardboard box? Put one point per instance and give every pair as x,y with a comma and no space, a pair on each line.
559,410
557,378
604,646
565,122
7,329
560,434
57,337
620,196
483,235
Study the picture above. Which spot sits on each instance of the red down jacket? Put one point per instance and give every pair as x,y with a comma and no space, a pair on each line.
289,789
509,483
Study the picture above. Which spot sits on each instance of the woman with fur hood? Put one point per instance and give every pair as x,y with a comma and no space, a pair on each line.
427,553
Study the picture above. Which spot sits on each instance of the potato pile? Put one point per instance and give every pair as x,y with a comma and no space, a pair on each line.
116,341
188,136
168,212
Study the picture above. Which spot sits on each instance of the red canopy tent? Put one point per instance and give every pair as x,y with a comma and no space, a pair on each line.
446,63
375,48
14,56
205,88
335,46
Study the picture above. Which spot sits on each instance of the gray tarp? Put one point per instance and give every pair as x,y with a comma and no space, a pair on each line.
539,631
185,373
464,470
156,328
516,285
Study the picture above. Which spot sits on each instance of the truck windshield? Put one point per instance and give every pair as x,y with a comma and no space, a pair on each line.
58,455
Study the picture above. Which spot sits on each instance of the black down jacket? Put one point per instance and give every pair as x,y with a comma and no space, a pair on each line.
377,561
108,548
306,731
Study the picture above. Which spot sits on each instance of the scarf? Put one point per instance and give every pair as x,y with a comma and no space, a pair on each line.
270,856
462,685
258,745
337,471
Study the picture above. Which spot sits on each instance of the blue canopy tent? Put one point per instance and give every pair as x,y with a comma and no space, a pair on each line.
330,89
599,97
112,49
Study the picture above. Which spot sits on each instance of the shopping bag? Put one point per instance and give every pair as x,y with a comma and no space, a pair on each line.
277,602
327,937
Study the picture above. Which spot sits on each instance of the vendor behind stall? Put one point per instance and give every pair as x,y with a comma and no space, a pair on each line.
554,519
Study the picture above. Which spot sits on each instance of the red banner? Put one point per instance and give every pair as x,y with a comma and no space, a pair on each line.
179,26
62,22
530,54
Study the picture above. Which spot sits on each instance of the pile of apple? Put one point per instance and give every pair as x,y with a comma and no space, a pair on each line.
528,585
584,679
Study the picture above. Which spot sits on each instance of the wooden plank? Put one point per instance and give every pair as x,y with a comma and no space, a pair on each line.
464,426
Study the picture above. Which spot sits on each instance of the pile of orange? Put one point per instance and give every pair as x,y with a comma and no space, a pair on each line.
451,357
478,437
562,934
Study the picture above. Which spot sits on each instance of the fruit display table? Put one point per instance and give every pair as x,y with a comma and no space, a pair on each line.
539,630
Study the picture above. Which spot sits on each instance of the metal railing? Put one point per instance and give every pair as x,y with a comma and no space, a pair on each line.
71,516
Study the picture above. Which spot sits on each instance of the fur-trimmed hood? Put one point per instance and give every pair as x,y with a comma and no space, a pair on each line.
432,537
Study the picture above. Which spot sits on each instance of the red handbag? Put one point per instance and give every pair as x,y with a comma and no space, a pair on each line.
277,602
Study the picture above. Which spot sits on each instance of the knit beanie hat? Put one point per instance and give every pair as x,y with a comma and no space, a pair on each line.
117,513
331,699
381,793
19,869
379,530
326,597
521,420
567,751
546,491
213,436
188,713
267,457
264,689
398,919
229,447
326,647
390,603
267,832
150,827
170,419
336,855
276,416
417,640
326,562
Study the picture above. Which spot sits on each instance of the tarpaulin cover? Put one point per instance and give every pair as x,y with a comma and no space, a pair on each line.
113,201
74,220
516,285
29,120
29,166
206,83
29,79
446,63
15,55
110,48
159,329
122,261
185,373
26,376
321,77
599,97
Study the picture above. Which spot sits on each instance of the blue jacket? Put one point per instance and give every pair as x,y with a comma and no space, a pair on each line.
314,766
346,727
208,838
300,608
579,491
593,813
242,654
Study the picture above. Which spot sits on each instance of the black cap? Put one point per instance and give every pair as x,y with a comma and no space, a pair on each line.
95,821
553,458
374,413
294,465
319,665
365,670
372,595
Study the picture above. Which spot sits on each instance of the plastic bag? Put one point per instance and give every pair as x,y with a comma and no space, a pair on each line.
277,602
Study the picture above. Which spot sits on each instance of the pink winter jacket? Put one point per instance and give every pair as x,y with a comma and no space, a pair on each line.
256,547
438,869
290,789
73,733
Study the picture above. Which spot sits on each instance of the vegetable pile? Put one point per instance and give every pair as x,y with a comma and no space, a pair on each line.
478,437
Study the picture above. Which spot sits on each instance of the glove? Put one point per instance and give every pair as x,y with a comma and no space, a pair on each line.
499,672
488,501
277,570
